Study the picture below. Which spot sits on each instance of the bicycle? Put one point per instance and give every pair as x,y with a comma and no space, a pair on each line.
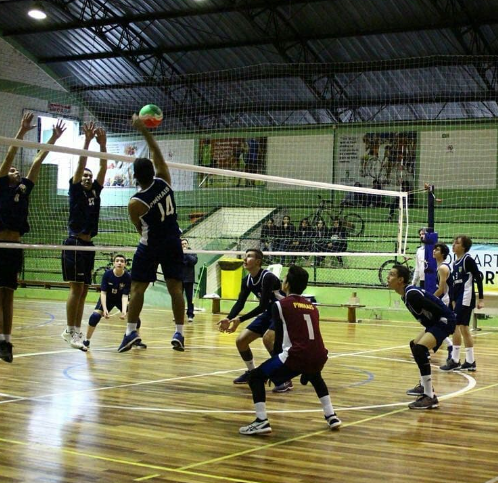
386,267
353,223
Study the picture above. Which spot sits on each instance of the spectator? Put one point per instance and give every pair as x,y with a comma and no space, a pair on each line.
319,240
304,236
190,260
268,235
286,236
338,239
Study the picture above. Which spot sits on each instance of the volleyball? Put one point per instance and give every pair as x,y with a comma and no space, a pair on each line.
151,115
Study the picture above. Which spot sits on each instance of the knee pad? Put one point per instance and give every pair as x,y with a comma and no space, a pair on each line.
256,375
421,355
139,323
94,319
412,345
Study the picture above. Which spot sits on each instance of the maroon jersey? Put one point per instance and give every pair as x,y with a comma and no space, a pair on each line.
302,344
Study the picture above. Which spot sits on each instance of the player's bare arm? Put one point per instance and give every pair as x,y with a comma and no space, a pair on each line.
25,127
57,132
89,132
162,170
136,209
101,137
443,274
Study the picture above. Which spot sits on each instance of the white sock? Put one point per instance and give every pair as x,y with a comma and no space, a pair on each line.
328,409
70,329
250,365
448,342
455,355
179,328
130,328
427,383
469,355
2,336
261,410
7,337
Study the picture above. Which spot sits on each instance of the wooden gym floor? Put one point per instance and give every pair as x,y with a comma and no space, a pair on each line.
164,416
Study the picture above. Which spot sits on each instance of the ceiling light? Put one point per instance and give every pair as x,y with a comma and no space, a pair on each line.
37,11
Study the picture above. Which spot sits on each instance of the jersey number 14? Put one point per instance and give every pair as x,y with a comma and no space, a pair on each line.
167,209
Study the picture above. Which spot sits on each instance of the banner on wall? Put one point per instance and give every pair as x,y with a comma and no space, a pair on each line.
486,257
237,154
381,160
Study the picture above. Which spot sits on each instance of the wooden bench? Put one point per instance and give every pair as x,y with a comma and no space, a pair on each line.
48,284
216,306
490,308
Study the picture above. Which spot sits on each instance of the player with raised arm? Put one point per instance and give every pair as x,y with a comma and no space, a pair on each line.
266,287
465,273
444,283
153,212
114,292
438,321
14,204
299,350
83,225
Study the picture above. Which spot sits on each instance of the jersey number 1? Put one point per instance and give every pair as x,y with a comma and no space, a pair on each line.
311,332
169,207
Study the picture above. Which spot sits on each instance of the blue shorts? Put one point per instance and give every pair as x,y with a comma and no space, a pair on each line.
261,324
277,371
463,314
11,260
440,331
110,305
77,266
147,258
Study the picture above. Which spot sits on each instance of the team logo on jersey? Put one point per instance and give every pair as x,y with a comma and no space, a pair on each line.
121,286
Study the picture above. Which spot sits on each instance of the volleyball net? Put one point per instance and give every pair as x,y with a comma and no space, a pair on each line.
257,150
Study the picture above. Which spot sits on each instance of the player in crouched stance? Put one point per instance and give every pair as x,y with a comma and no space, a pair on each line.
299,348
439,323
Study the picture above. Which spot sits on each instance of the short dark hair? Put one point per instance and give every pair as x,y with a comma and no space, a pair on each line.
89,170
143,170
443,248
297,278
465,241
119,256
258,252
402,272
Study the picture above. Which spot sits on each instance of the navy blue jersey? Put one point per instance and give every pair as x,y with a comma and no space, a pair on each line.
447,296
14,204
160,221
426,307
115,287
265,286
84,209
465,273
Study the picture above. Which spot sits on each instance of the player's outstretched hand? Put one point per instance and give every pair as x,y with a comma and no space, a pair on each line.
106,314
26,121
234,323
137,123
223,325
122,316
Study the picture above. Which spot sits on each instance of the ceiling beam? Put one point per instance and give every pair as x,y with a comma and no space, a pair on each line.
154,16
442,24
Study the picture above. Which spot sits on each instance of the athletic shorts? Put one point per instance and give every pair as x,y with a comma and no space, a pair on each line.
440,331
463,314
110,305
77,266
11,260
261,324
277,371
147,258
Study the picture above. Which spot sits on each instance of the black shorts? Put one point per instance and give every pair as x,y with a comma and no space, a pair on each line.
463,314
11,260
110,303
78,266
147,258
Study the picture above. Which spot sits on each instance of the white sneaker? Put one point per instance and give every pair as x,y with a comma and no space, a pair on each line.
190,320
77,342
256,427
333,421
67,336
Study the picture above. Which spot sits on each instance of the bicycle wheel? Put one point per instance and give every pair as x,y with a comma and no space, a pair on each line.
354,224
384,270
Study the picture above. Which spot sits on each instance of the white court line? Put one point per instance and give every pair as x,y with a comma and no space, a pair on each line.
494,480
10,395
